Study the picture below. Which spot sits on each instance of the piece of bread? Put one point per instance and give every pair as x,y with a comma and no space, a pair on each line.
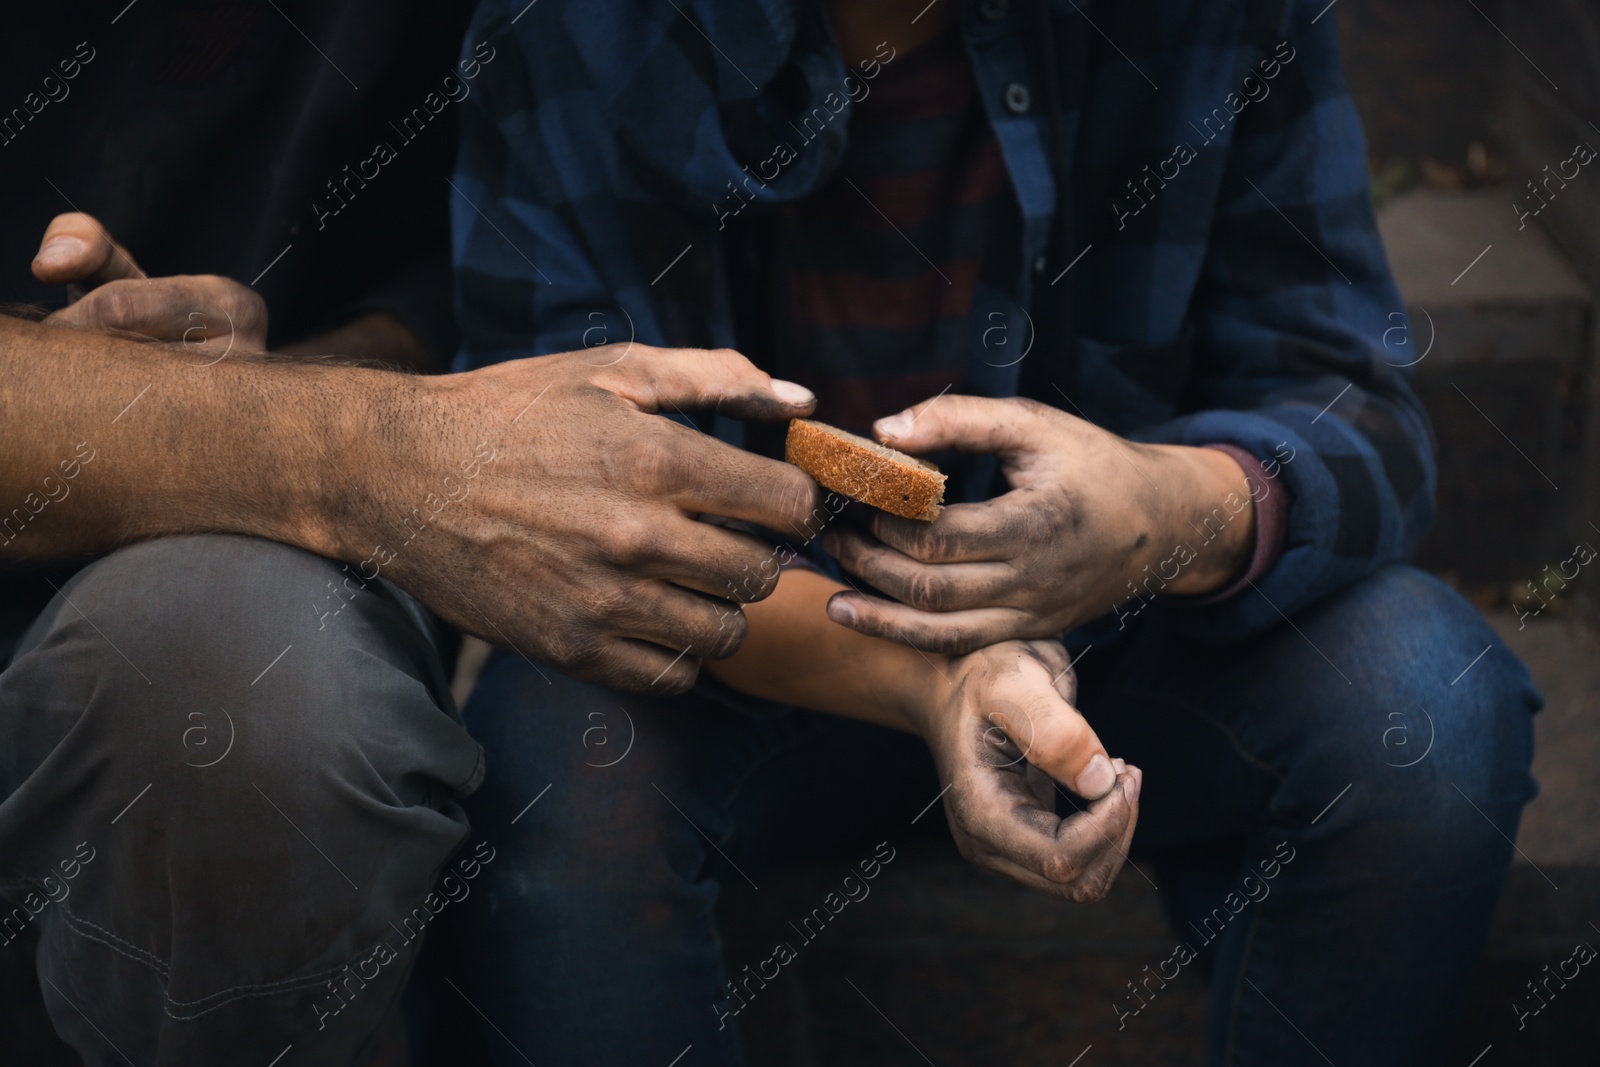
866,471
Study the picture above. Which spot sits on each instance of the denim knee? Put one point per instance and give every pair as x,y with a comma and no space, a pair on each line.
1435,726
625,784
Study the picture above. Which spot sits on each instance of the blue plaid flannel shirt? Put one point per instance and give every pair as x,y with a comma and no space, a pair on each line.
1227,283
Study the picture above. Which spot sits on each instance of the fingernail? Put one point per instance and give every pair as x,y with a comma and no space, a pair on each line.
792,393
842,612
1119,765
893,426
1097,779
60,251
1134,786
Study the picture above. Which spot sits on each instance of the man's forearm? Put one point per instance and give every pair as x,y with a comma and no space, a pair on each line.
107,440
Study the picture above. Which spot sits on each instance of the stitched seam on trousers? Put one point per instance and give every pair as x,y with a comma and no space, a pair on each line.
282,985
160,973
239,992
132,951
242,992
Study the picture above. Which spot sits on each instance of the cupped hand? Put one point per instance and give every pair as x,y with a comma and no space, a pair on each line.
543,505
1091,521
208,313
1003,733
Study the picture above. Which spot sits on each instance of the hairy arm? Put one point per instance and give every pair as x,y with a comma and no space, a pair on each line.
109,440
539,504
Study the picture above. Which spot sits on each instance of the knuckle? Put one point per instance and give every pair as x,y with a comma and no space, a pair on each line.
679,678
949,641
762,582
933,544
1093,889
732,628
608,604
748,584
797,497
579,652
630,542
926,591
116,306
1059,869
649,462
1048,519
248,307
729,361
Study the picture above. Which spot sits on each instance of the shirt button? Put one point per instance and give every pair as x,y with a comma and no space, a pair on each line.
993,10
1018,98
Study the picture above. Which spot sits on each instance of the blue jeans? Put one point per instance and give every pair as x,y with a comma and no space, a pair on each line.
1328,807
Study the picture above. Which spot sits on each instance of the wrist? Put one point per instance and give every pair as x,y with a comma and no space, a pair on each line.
1210,525
927,687
352,435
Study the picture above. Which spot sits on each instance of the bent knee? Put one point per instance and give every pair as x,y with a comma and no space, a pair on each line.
1438,713
186,651
200,612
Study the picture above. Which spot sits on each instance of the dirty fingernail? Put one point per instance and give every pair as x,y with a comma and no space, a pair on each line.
842,612
1097,779
792,393
60,251
893,426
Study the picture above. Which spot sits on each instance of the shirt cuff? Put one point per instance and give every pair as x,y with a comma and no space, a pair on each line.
1272,522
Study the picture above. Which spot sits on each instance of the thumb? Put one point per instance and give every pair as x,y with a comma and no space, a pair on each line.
77,250
965,423
672,379
1051,733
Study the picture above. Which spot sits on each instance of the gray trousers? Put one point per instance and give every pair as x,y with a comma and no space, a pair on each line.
230,776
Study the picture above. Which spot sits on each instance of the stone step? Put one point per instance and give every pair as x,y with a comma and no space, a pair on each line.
1501,337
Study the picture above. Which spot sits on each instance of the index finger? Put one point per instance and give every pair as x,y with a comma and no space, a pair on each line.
672,379
963,533
77,250
713,477
965,423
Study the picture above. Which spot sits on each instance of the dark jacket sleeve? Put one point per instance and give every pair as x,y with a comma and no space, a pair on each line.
1301,348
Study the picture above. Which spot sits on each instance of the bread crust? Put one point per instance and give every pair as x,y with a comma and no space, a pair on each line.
865,470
